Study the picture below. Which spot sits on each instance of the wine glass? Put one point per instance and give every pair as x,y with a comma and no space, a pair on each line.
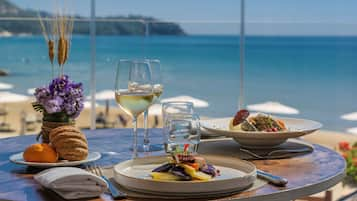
158,90
134,91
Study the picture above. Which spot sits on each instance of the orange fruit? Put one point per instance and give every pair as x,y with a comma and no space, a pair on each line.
42,153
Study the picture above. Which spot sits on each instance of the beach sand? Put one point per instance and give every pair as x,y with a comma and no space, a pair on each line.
15,111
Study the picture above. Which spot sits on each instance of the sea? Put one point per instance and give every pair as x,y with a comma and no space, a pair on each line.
316,75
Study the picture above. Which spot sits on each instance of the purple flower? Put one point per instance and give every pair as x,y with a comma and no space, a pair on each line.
42,94
62,95
53,105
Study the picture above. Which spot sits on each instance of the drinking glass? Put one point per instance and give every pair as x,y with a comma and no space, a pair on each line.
181,126
177,108
158,90
134,91
182,133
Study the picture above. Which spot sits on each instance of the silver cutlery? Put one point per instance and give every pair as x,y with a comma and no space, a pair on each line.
115,192
270,155
272,179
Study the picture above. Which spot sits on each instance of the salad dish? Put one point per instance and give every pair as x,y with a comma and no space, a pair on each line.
261,122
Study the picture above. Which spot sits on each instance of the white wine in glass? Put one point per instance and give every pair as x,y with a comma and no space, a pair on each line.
158,89
134,91
133,103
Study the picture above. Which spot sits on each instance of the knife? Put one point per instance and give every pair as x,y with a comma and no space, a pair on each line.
272,179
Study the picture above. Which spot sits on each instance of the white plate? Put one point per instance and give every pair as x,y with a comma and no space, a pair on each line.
236,175
18,159
254,139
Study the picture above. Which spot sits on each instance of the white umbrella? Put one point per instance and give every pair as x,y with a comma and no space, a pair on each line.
8,97
105,95
352,130
87,104
350,116
155,109
5,86
31,91
273,107
198,103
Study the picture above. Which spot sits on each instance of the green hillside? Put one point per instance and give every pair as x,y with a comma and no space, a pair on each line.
7,9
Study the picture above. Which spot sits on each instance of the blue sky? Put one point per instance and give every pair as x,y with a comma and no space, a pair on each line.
264,17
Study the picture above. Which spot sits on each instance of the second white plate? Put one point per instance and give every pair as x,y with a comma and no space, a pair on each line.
296,128
236,175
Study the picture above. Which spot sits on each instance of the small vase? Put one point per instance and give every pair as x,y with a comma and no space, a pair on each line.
47,126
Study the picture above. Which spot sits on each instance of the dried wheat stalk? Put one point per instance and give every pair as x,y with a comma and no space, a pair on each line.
58,38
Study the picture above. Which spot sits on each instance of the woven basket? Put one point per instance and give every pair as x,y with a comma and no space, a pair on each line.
47,126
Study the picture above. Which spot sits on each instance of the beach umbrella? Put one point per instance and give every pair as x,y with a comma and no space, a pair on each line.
87,104
105,95
350,116
5,86
273,107
198,103
8,97
31,91
155,109
352,130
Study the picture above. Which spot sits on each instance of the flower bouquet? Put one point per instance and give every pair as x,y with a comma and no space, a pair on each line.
61,101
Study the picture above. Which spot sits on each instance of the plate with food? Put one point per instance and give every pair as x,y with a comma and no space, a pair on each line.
19,159
67,146
260,130
185,175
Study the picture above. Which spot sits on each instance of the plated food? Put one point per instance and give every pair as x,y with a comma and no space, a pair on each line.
234,175
261,122
185,167
260,130
67,147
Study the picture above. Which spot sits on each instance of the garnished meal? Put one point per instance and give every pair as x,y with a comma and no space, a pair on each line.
261,122
185,167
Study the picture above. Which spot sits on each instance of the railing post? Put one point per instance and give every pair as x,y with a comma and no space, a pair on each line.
93,64
241,56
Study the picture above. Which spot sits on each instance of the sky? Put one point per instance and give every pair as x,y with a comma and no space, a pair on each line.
263,17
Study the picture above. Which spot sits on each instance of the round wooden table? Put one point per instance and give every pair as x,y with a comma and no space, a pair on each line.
307,174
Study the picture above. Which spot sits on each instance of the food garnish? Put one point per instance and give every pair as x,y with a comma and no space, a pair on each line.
185,166
260,122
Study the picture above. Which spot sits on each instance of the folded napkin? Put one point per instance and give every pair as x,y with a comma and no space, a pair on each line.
71,183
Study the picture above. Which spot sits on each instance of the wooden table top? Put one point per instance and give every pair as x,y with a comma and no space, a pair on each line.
307,174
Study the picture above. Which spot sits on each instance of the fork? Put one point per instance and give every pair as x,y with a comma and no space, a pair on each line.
116,193
270,154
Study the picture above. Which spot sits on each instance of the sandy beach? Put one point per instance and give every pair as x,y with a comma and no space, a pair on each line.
15,112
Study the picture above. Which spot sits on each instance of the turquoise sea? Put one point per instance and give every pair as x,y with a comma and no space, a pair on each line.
317,75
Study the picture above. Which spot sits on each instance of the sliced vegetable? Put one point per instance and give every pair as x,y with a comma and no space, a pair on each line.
194,165
188,169
180,172
164,168
165,176
202,176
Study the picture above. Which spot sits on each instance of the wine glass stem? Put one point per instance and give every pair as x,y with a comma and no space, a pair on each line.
146,130
135,140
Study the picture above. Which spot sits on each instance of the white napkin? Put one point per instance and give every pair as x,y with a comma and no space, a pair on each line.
72,183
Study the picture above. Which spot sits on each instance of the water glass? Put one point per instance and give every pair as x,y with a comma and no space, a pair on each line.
177,108
181,127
